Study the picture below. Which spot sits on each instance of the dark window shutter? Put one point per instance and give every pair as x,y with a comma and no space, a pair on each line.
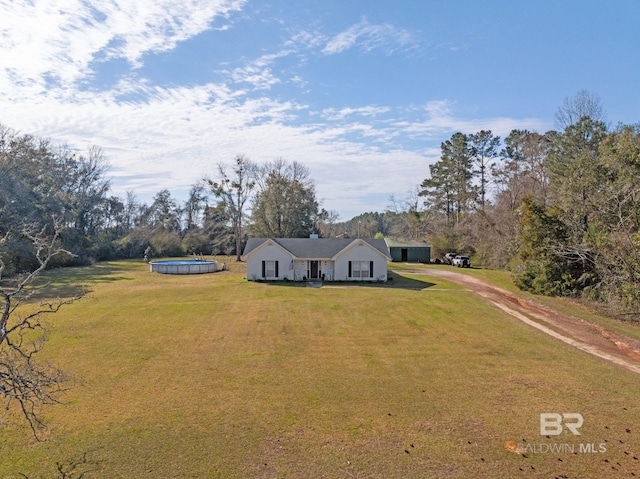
371,269
276,269
264,269
349,269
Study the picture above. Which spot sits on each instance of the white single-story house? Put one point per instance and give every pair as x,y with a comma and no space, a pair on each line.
328,259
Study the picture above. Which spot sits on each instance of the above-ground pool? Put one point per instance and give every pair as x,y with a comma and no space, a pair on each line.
187,266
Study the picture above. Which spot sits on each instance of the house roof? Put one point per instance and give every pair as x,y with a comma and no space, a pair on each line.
406,243
315,248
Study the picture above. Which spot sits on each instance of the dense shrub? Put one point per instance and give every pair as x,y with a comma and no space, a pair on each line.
166,243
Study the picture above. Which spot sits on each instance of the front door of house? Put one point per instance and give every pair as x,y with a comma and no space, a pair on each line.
314,269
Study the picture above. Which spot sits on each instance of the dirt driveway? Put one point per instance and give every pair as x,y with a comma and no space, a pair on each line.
592,338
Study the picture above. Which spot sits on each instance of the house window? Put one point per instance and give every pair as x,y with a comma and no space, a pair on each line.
361,269
270,269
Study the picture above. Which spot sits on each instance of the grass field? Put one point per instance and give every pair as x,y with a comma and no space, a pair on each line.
211,376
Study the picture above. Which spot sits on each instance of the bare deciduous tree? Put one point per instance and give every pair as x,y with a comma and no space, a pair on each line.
24,381
327,223
583,104
410,218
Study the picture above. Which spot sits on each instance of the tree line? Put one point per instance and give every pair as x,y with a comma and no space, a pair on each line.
42,184
561,209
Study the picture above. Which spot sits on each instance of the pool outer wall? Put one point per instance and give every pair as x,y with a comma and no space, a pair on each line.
183,267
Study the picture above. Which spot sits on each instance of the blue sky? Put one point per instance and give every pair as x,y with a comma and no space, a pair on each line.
361,91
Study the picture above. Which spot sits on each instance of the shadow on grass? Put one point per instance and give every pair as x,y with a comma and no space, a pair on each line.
76,468
395,281
73,281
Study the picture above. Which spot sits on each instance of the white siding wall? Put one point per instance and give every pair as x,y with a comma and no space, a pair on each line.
361,252
269,252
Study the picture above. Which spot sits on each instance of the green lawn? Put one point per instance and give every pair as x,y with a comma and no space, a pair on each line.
213,376
503,279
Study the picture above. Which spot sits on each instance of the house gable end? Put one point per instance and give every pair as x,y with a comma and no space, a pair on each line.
360,242
263,243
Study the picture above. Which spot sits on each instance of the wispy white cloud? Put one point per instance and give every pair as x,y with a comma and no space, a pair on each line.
45,42
367,111
307,40
440,120
368,37
258,73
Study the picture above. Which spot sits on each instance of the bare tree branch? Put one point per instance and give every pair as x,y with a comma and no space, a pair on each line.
24,381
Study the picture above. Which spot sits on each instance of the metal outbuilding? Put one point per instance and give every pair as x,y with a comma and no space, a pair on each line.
409,250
